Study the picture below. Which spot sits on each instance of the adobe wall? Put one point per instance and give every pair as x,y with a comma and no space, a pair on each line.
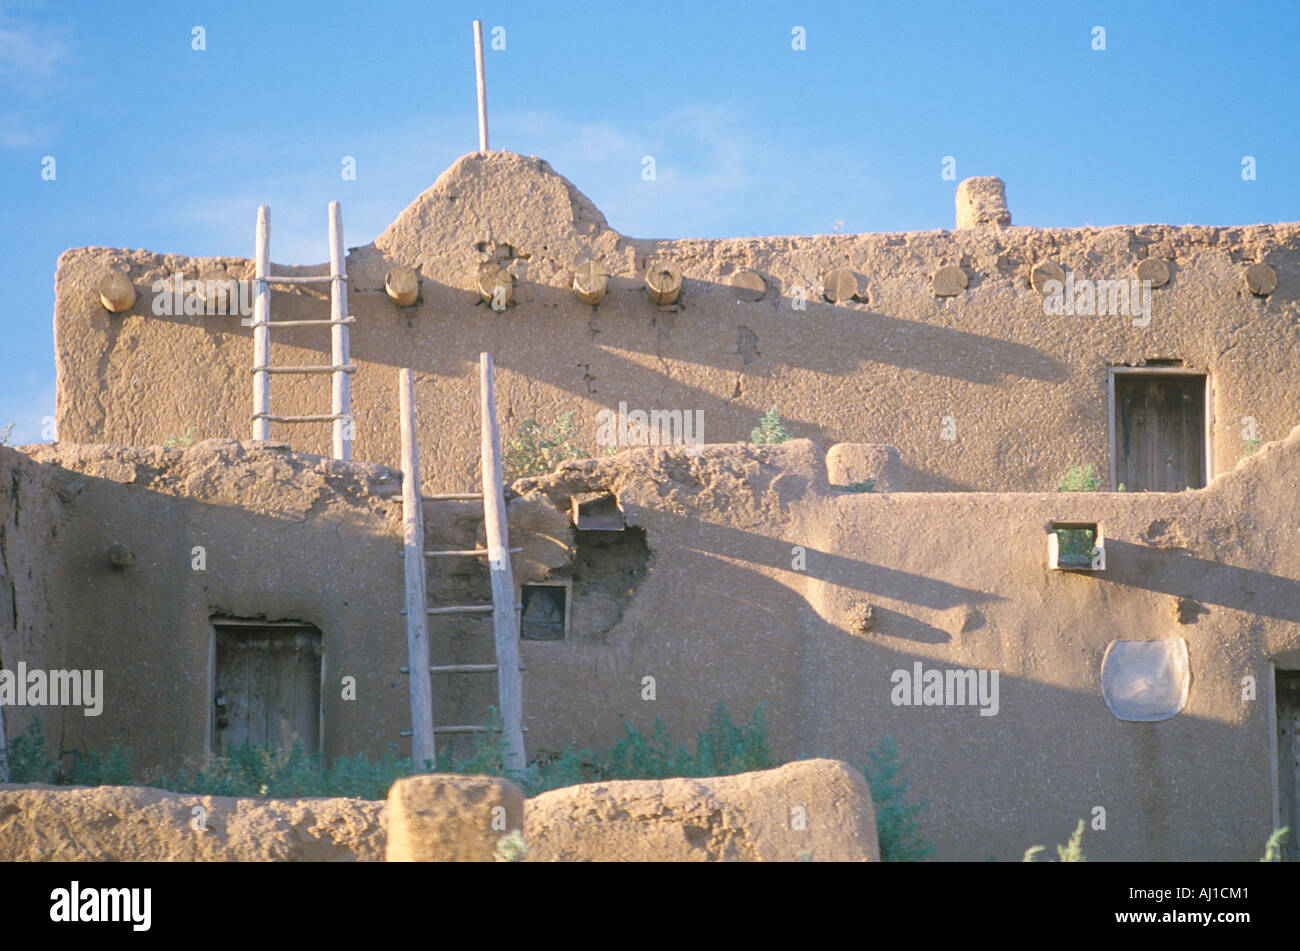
1027,393
32,515
720,606
283,537
954,581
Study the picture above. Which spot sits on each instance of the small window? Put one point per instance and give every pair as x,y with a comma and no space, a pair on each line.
545,615
597,512
1076,546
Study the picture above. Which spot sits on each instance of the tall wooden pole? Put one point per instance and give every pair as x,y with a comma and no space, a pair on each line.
505,620
342,391
417,633
261,332
482,87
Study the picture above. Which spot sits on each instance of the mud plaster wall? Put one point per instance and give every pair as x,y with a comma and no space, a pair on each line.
33,598
1027,392
955,580
284,537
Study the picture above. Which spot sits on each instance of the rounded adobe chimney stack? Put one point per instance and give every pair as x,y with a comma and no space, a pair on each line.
982,203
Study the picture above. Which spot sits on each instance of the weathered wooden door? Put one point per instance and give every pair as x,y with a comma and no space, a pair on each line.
266,686
1159,431
1288,759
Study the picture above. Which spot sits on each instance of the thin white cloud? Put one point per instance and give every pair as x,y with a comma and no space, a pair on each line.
30,54
28,413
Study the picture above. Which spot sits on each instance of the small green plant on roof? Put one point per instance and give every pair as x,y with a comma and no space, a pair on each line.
511,847
866,485
185,438
536,450
1273,847
1252,446
1079,479
1072,851
896,820
770,429
5,433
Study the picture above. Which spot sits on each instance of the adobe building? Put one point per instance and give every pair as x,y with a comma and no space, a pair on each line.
229,588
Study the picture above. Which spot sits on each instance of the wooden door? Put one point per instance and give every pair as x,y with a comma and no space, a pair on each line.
266,688
1159,431
1288,759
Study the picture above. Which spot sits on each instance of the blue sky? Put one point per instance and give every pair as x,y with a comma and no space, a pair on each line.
159,146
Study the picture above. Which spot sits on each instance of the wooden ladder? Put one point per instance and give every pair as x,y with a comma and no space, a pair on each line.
341,410
503,607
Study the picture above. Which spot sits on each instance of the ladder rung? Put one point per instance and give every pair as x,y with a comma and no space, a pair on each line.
465,729
349,368
459,669
452,497
302,323
301,279
324,418
463,551
460,729
463,609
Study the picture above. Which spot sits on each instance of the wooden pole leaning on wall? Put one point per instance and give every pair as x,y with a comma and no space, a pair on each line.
417,627
482,86
505,619
342,387
261,332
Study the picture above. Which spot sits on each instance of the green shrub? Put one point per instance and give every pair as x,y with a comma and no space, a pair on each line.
1079,479
511,847
99,769
1273,847
866,485
185,438
1249,449
896,821
770,429
1072,851
536,450
28,761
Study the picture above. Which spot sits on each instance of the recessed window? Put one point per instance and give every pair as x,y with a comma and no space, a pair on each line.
597,512
1159,429
545,614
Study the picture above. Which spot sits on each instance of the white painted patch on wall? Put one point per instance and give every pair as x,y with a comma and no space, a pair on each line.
1145,681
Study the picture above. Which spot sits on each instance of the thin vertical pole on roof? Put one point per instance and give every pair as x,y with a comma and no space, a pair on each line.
482,87
342,389
261,332
505,619
417,632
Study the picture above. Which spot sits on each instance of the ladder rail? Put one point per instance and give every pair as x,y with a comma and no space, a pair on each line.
505,620
417,631
340,368
261,331
341,391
